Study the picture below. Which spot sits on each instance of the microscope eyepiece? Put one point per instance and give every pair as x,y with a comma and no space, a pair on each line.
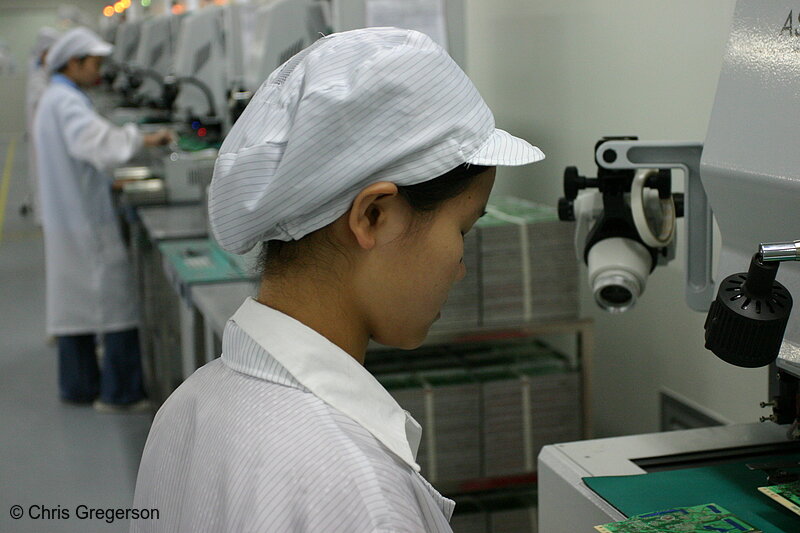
618,270
616,295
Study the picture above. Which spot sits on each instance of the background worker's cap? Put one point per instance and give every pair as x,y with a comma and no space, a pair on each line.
352,109
45,38
77,42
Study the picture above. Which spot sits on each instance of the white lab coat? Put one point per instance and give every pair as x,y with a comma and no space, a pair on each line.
89,283
37,83
285,432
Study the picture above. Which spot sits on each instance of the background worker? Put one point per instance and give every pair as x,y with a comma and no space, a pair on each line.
38,79
90,288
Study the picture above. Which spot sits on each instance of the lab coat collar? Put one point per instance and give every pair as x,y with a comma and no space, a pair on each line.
60,78
328,372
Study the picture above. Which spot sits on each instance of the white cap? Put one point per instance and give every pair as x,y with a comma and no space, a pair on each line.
352,109
77,42
45,38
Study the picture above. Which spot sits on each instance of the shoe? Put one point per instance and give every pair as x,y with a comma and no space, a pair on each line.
142,406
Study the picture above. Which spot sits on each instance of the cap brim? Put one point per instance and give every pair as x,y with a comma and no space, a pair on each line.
101,49
503,149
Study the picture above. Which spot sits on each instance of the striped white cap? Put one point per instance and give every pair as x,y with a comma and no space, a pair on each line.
77,42
352,109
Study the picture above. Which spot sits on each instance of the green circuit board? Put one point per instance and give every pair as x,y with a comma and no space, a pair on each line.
787,495
697,519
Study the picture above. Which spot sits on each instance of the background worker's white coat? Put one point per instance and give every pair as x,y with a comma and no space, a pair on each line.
37,83
38,78
89,282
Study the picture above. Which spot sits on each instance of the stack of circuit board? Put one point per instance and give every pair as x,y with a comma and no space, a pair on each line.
521,268
534,406
485,409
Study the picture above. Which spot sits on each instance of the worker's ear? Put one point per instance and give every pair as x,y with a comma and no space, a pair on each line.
378,214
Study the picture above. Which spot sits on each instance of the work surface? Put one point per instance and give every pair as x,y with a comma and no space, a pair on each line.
732,485
174,221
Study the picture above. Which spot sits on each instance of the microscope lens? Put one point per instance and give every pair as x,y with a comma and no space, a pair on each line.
616,295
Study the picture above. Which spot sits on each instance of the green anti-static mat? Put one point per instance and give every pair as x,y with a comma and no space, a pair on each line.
239,262
733,486
199,261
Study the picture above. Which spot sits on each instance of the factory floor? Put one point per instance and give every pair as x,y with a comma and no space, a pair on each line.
53,457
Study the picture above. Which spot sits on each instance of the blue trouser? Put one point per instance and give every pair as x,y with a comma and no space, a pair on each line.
119,381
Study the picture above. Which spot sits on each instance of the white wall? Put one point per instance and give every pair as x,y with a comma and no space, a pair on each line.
562,74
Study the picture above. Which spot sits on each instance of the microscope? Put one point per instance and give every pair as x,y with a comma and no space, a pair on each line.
747,174
616,213
615,216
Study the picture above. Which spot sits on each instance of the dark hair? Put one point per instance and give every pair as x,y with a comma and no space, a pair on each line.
424,198
80,59
429,195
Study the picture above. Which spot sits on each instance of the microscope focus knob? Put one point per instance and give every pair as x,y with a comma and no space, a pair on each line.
572,182
566,209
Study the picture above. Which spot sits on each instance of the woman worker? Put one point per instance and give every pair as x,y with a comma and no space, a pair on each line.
361,162
38,78
90,289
